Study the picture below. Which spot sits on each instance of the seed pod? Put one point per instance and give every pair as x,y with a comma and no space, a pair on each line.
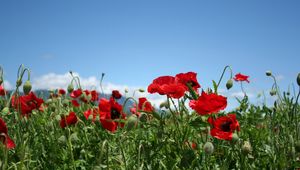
229,84
208,148
27,87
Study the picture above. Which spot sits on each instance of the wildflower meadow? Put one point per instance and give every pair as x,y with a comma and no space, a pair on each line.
77,128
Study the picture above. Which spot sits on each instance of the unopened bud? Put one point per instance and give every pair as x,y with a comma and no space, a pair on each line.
131,122
27,87
143,117
70,88
273,92
246,148
268,73
229,84
164,104
141,90
1,80
235,137
19,82
208,148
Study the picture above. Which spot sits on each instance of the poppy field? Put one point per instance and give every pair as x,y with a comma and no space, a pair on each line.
77,128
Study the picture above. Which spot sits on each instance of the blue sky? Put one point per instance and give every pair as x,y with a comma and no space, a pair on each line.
135,41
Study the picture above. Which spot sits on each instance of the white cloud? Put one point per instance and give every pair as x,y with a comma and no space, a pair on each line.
7,85
240,94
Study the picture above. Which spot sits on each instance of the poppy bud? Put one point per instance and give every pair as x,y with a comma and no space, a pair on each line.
5,111
27,87
235,137
141,90
1,80
126,90
246,148
208,148
70,88
131,122
273,92
298,79
19,82
268,73
229,84
164,104
143,117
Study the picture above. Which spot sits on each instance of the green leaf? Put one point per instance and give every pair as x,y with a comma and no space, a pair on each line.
215,87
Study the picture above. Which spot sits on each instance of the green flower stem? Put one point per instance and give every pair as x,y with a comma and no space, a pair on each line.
277,88
223,74
71,148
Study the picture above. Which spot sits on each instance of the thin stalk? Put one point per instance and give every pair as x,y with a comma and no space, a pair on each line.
223,75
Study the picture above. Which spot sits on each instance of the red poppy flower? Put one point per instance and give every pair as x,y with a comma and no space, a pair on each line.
61,92
76,93
95,96
75,103
2,91
109,111
27,103
116,94
89,112
241,77
4,138
144,105
166,85
71,119
223,127
188,78
208,103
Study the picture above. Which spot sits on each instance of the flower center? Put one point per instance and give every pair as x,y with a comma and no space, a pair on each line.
114,113
226,126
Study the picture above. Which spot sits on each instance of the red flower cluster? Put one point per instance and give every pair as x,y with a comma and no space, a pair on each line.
27,103
223,127
143,105
4,138
94,112
89,96
208,103
174,87
110,111
71,119
241,77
